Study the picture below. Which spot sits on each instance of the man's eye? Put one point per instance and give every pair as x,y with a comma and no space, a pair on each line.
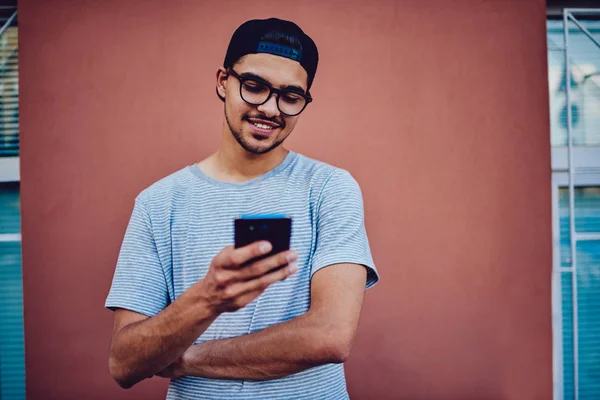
291,98
255,87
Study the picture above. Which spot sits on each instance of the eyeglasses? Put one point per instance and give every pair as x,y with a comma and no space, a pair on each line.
256,92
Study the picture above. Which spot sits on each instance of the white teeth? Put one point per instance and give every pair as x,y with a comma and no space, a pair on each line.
262,126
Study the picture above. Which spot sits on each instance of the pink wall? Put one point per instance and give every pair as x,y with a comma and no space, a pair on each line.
438,108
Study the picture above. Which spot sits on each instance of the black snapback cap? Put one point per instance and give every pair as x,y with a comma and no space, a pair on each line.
273,36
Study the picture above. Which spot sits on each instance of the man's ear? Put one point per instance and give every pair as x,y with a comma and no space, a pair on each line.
222,82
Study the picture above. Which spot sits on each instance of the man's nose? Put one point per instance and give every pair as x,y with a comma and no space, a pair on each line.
269,108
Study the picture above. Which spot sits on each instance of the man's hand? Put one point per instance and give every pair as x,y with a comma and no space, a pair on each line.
173,371
320,336
231,282
143,346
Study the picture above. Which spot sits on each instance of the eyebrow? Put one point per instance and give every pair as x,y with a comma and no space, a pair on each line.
293,88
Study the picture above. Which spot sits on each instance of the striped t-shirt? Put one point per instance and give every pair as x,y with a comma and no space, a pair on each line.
181,222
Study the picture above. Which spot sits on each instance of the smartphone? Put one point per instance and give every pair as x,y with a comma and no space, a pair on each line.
274,228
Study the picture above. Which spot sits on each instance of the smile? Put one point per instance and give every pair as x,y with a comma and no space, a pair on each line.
262,126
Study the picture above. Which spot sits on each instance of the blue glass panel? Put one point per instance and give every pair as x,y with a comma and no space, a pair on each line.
12,351
10,211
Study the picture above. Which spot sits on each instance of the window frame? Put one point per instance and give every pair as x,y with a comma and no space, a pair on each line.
560,179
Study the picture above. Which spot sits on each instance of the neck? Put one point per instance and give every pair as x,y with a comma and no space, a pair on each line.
237,164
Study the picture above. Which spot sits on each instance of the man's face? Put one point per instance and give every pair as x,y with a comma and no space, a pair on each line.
259,129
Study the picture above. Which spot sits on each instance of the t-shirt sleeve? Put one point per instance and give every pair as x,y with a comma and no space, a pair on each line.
341,234
139,282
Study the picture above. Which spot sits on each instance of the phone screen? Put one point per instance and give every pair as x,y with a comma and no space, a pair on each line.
275,229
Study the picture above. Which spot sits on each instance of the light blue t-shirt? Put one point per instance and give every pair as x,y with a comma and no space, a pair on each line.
181,222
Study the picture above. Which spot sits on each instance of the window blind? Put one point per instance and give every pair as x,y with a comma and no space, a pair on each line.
9,86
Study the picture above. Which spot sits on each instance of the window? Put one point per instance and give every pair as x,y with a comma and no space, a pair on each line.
12,354
575,113
578,289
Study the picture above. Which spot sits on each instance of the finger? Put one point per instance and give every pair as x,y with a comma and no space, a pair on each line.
231,258
256,269
261,267
224,277
260,284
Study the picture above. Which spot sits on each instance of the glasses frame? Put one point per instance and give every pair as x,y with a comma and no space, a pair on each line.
272,90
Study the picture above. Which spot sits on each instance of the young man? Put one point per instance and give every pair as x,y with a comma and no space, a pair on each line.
186,307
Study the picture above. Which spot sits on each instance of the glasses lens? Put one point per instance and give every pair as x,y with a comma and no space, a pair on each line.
291,103
254,92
